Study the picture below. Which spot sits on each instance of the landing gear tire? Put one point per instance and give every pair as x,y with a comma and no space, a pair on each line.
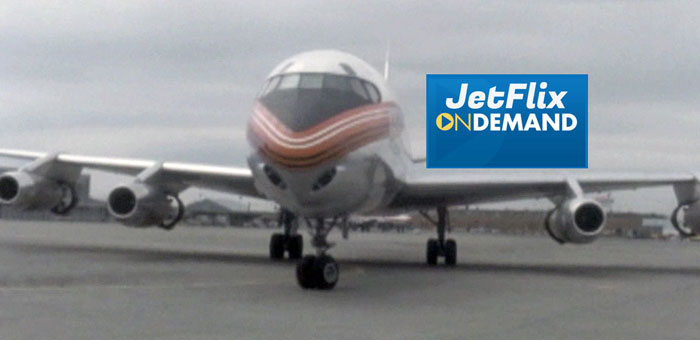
295,246
440,247
277,246
305,272
320,272
432,251
450,252
327,272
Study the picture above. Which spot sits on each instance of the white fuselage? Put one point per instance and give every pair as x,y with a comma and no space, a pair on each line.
327,136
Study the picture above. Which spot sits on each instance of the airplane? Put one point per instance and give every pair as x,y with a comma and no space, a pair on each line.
327,141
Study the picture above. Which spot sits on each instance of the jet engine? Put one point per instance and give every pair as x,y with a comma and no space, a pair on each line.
26,191
577,220
686,218
141,205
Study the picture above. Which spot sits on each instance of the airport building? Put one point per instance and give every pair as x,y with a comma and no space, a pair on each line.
224,213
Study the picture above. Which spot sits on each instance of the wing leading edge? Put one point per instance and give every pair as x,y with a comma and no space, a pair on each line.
175,175
454,187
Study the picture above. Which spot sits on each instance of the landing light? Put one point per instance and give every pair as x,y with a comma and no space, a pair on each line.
324,179
274,177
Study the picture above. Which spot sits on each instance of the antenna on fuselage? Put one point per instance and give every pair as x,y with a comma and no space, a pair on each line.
386,62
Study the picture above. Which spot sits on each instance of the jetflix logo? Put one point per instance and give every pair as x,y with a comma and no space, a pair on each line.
507,121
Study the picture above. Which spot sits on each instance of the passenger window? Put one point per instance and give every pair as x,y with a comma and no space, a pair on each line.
373,92
289,81
357,87
311,81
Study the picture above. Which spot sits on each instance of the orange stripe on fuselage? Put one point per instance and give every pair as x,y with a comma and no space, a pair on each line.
330,139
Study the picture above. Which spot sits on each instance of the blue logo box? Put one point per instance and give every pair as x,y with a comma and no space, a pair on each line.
507,120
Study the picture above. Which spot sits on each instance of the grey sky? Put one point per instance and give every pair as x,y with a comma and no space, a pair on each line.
176,80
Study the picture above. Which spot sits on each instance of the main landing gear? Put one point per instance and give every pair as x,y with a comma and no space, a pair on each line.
440,247
290,241
319,271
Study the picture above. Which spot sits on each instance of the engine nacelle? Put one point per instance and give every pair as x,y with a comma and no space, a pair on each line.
26,191
686,219
577,220
141,205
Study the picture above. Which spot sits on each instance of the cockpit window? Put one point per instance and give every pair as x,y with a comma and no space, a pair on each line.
289,81
337,83
303,100
270,85
311,81
358,88
373,93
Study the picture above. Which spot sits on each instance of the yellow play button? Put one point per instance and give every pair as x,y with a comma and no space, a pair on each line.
444,121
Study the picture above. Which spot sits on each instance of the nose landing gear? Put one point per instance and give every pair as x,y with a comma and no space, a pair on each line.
319,271
440,247
289,241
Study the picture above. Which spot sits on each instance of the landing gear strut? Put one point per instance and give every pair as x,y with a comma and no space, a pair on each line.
319,271
289,241
440,247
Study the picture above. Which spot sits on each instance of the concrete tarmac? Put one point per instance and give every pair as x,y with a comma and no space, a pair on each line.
84,281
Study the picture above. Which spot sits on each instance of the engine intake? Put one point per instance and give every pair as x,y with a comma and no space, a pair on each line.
576,221
26,191
9,188
141,205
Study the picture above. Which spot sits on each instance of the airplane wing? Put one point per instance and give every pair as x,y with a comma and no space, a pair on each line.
445,187
177,176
